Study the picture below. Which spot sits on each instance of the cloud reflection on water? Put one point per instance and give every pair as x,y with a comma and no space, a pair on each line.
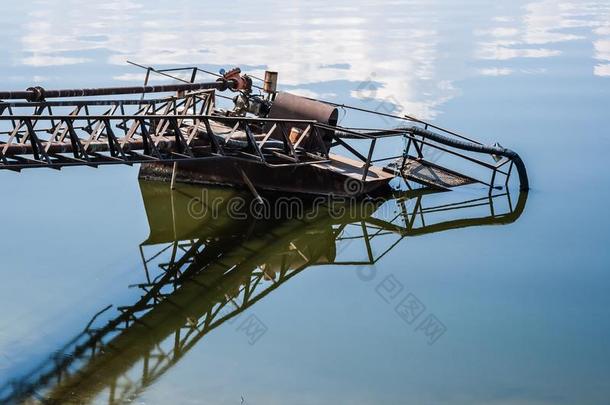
543,28
404,44
309,44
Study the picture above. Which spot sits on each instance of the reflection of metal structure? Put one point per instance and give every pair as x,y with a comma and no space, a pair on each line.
208,271
276,141
415,221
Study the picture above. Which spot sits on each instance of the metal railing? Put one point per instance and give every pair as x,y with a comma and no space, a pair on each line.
168,130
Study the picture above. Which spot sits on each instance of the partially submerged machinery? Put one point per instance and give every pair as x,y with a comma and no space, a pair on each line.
202,272
268,140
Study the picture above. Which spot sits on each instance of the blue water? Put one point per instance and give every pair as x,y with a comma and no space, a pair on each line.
525,306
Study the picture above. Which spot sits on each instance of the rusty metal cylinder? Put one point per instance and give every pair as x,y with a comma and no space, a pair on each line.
290,106
270,83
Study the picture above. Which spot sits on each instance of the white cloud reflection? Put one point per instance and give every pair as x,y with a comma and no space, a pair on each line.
495,71
405,44
602,70
541,30
602,49
49,60
294,39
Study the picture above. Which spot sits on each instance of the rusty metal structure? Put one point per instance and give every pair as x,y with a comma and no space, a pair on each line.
267,141
200,274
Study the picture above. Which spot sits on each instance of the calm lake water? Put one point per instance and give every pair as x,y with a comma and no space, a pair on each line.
521,310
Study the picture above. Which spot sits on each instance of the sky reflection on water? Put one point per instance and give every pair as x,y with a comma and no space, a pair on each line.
413,51
525,305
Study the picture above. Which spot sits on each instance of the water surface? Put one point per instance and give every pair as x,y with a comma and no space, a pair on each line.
524,305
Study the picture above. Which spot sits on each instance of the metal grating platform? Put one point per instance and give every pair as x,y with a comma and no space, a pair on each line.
428,174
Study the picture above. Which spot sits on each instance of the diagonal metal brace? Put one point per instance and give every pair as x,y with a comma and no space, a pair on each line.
113,143
37,147
150,148
181,143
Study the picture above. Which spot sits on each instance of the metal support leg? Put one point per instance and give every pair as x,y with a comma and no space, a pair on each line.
173,183
251,187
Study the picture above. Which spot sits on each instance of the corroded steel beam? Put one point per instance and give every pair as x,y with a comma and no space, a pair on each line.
37,94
